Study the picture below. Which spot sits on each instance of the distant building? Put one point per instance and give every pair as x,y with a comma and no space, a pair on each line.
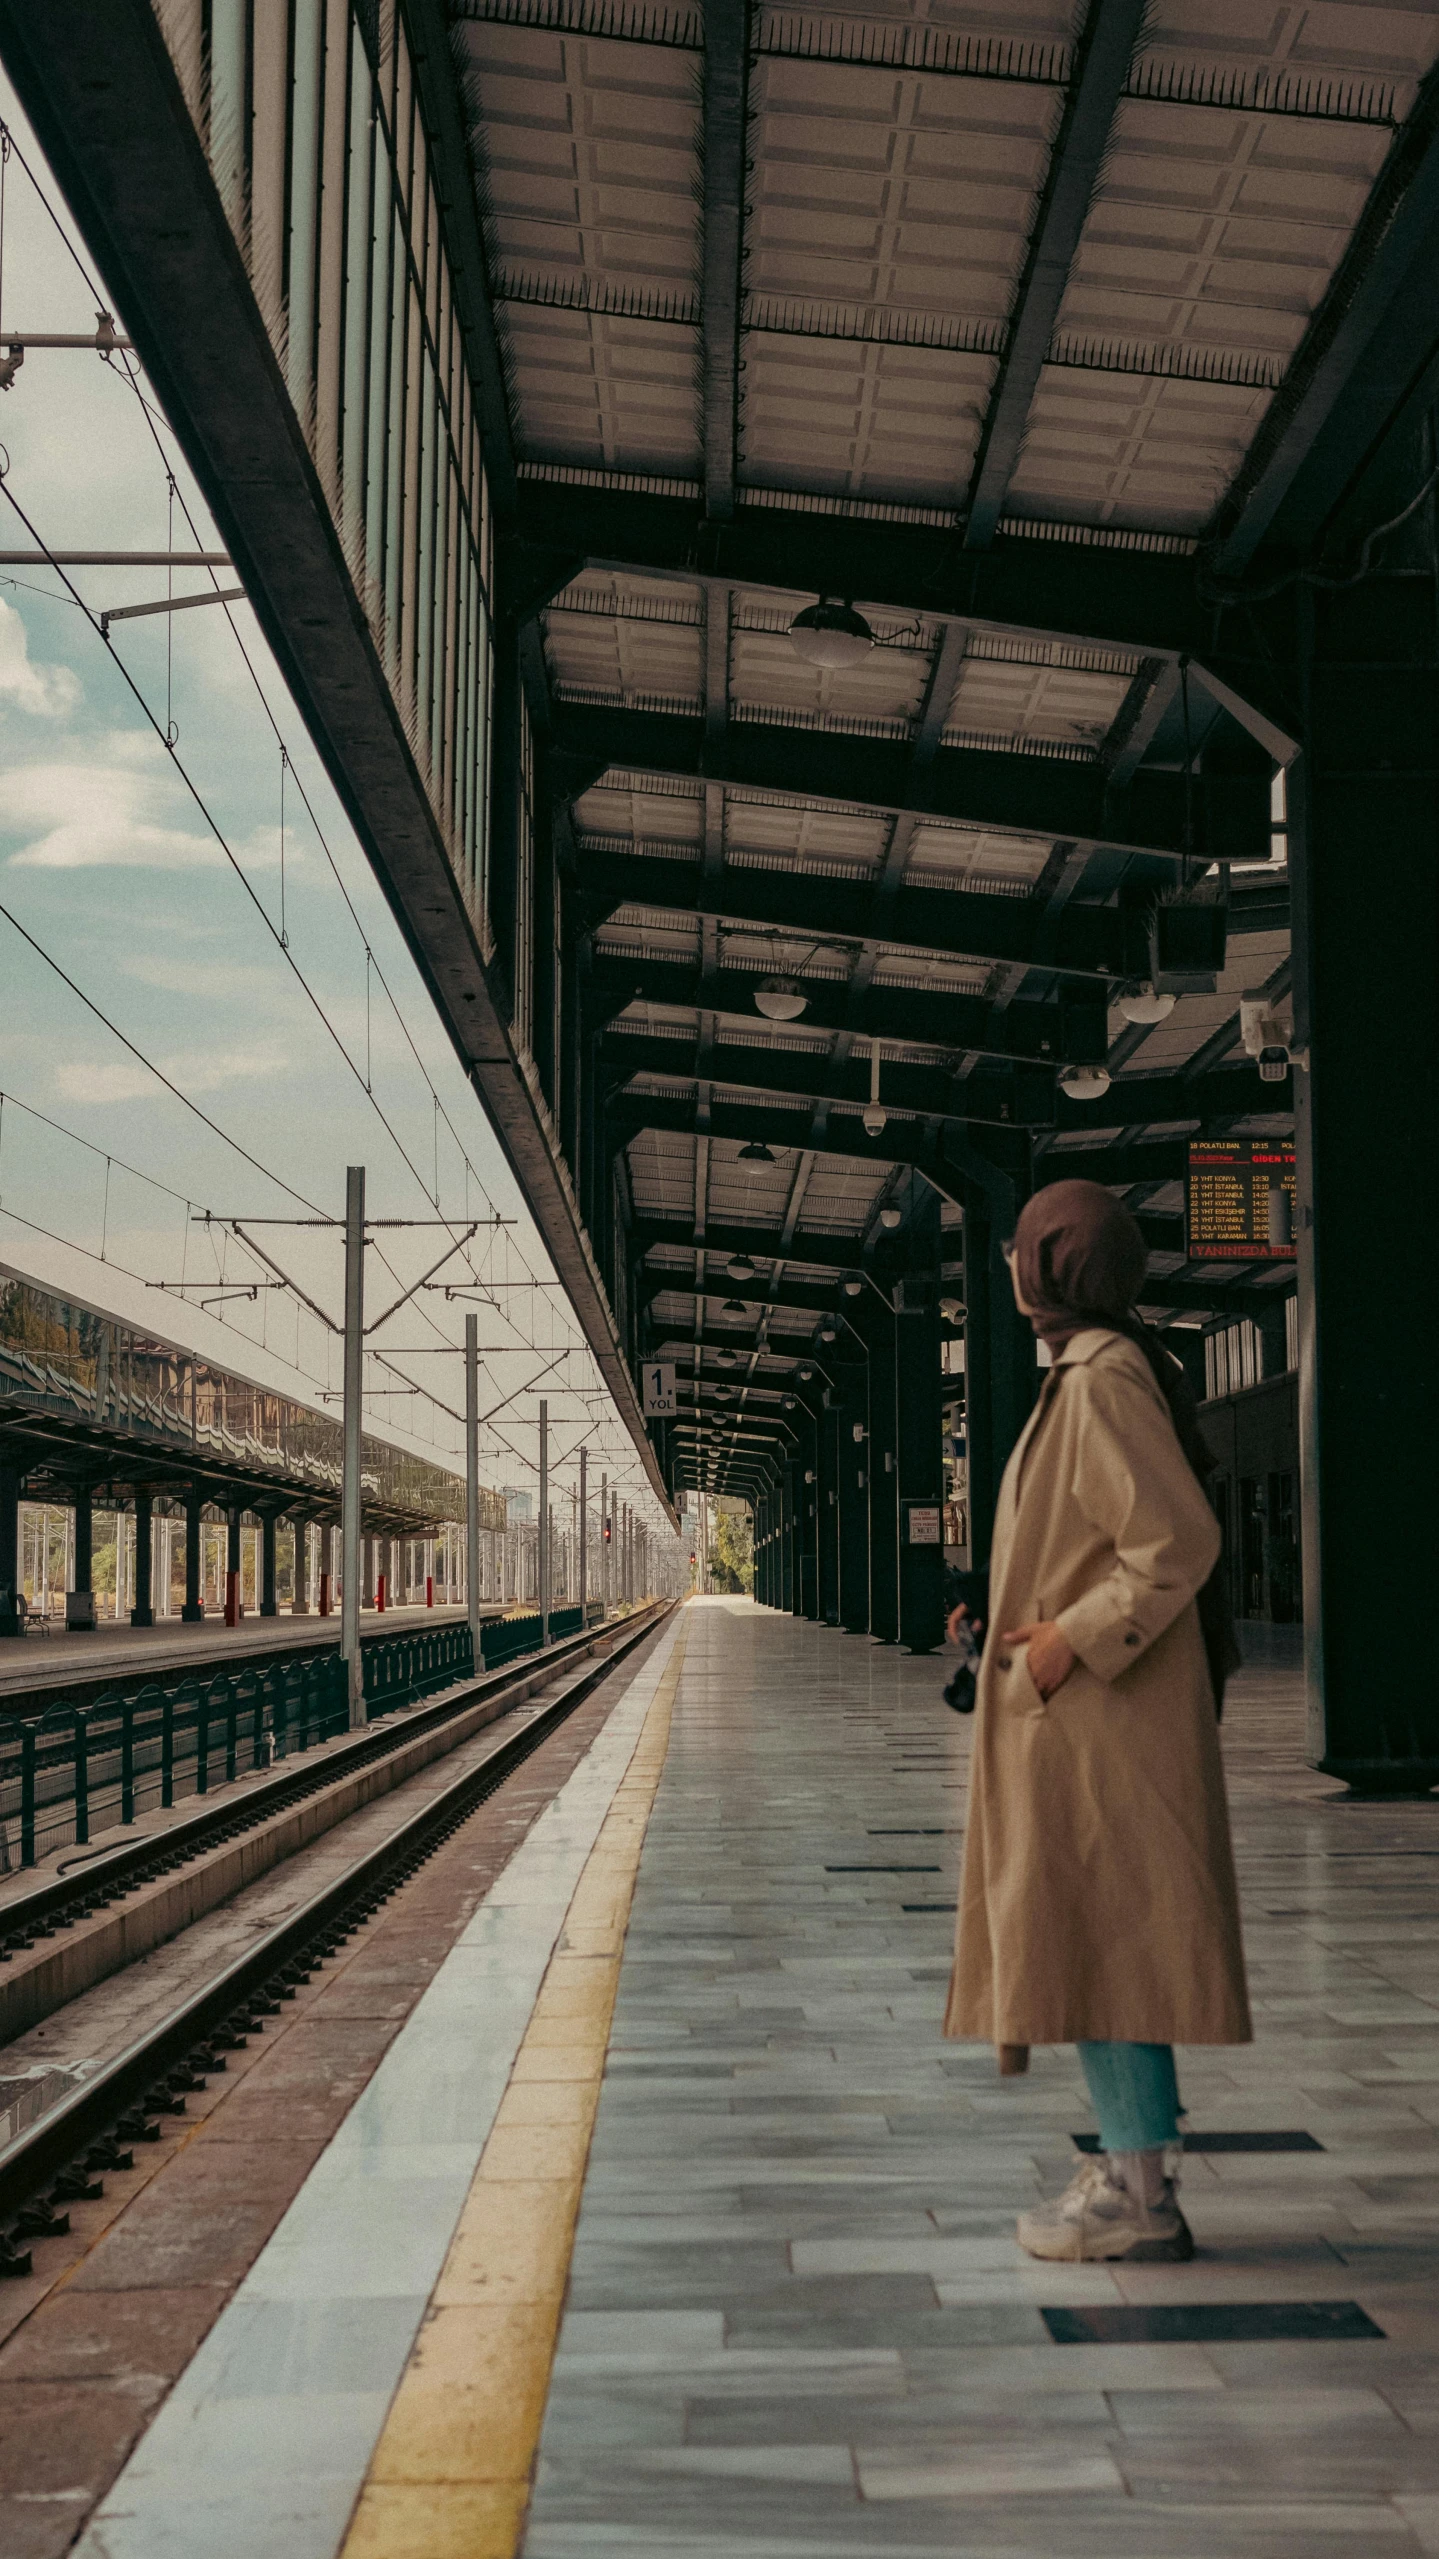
519,1506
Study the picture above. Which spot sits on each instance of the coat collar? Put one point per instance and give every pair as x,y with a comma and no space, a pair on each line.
1085,1346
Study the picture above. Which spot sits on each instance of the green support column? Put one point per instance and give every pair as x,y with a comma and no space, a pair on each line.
1364,848
827,1507
877,1322
999,1361
192,1614
11,1622
80,1598
269,1604
852,1474
807,1502
143,1613
920,1457
787,1541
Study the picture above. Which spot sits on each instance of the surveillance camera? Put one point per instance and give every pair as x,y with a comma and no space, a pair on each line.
1267,1032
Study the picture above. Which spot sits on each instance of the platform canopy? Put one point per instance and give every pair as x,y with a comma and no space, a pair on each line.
1068,359
1021,344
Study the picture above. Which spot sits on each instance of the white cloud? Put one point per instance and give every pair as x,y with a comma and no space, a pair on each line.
121,1082
48,692
110,812
200,1071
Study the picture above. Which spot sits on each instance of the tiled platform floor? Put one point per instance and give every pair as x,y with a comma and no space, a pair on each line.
798,2326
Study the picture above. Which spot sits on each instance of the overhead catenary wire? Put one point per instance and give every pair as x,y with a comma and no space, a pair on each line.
151,1068
287,954
217,831
174,494
280,936
120,362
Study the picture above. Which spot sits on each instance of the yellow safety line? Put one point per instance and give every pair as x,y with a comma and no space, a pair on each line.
450,2476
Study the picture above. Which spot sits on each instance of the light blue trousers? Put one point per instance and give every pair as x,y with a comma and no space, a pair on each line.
1134,2092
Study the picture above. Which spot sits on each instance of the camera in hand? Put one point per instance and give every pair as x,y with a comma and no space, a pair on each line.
963,1686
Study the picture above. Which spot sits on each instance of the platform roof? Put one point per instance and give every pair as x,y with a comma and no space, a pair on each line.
1032,334
1033,318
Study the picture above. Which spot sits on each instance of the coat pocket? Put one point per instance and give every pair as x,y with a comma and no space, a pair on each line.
1020,1695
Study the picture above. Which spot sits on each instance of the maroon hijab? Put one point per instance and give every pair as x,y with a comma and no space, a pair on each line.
1080,1260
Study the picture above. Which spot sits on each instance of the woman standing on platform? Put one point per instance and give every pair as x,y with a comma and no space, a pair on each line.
1098,1902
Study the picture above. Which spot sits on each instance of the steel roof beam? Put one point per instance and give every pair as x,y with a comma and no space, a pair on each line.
1001,1095
1163,1235
958,923
810,1298
1096,85
726,72
1131,590
1053,1032
825,1252
1372,337
1028,794
1078,941
1241,1292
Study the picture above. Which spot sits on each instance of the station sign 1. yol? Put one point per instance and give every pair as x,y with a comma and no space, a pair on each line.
658,1378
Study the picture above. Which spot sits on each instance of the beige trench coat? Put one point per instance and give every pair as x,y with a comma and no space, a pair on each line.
1098,1900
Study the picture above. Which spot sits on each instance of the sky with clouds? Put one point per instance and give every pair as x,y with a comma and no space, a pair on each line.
110,866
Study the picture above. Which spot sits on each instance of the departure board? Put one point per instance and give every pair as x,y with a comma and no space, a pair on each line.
1241,1199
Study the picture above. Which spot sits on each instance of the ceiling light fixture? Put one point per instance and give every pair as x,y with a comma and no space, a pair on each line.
741,1268
806,1370
831,633
827,1332
725,1359
891,1217
852,1284
1146,1006
735,1309
780,1000
755,1153
1084,1083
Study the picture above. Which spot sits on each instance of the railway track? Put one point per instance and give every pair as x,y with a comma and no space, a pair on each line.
63,2155
102,1876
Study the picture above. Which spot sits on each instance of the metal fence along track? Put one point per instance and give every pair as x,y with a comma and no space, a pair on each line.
76,1770
60,2158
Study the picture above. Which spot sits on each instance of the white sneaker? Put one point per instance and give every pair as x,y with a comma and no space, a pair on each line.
1118,2203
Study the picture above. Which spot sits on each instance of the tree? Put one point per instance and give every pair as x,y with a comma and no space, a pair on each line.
732,1553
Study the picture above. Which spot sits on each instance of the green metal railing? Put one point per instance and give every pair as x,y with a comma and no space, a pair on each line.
75,1771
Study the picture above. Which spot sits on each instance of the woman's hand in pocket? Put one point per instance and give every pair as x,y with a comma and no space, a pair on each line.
1049,1658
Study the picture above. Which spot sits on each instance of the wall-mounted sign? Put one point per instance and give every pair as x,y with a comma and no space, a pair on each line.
922,1524
1240,1199
658,1379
